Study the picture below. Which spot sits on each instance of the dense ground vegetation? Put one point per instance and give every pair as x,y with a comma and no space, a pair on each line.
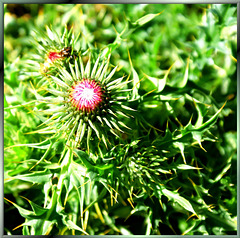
120,119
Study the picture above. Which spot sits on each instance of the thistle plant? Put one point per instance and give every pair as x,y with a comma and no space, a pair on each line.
112,128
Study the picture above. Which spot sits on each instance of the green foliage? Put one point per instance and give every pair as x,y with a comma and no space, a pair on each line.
160,158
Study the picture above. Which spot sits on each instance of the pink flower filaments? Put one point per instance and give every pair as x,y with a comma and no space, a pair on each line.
86,95
52,56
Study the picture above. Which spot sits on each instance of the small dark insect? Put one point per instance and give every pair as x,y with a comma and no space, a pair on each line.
66,52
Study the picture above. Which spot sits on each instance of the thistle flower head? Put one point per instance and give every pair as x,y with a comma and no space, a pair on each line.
88,103
86,95
53,50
